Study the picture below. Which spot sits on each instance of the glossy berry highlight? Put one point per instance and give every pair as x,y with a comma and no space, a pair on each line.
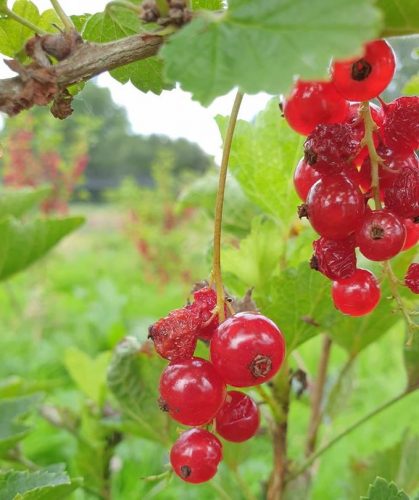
364,78
238,419
195,456
191,391
357,295
247,349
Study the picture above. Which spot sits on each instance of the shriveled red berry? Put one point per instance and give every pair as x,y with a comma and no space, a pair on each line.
247,349
175,336
335,207
304,177
357,295
357,123
381,236
238,418
412,278
330,148
412,233
195,456
205,300
336,259
311,103
402,197
400,128
361,79
191,391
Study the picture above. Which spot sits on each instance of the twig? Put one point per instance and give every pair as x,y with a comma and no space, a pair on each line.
323,449
21,20
66,20
317,397
220,203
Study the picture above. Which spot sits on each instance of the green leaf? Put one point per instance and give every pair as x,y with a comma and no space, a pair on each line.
382,490
262,46
48,484
263,158
16,202
12,413
401,17
412,86
298,301
16,35
147,74
25,243
89,374
131,378
207,4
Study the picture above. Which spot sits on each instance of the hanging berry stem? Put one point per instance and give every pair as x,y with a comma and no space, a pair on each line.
375,160
220,203
65,19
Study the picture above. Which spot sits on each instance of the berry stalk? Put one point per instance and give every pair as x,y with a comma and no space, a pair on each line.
220,203
65,19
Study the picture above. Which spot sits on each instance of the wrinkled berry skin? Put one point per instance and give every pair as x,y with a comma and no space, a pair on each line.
205,300
401,125
311,103
412,278
335,207
362,79
192,391
403,197
304,177
195,456
336,259
357,295
381,236
330,148
238,419
175,336
247,349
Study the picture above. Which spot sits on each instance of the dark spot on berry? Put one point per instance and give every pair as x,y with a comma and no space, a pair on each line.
260,366
360,70
163,405
314,263
310,157
185,471
377,233
302,211
416,220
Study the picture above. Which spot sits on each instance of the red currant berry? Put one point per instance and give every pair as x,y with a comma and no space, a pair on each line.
330,148
191,391
175,336
357,295
204,304
304,177
381,236
195,456
412,278
247,349
361,79
238,419
412,234
311,103
403,197
335,207
336,259
401,125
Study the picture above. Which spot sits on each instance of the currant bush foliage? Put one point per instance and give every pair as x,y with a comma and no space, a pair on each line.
382,490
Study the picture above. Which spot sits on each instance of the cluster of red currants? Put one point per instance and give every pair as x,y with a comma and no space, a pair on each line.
246,350
336,178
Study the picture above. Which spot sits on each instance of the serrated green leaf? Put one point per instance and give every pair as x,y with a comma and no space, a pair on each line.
12,413
262,45
298,301
88,373
25,243
147,74
401,17
383,490
16,35
130,378
48,484
263,158
16,202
